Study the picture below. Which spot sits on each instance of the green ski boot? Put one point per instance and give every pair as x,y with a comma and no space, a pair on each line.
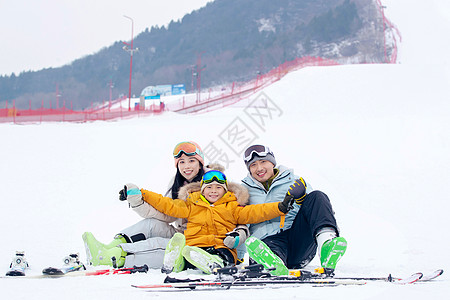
332,251
173,257
262,254
118,239
202,260
98,254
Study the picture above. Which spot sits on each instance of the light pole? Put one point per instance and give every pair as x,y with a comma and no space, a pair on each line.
131,51
198,74
111,86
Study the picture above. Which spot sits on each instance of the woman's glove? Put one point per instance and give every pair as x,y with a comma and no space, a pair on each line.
132,194
123,193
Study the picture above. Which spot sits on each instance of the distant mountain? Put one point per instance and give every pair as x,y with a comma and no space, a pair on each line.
235,40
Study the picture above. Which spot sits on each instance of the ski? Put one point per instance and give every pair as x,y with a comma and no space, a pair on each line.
258,271
416,277
256,276
249,277
255,271
227,284
53,272
71,264
58,272
329,273
50,271
116,271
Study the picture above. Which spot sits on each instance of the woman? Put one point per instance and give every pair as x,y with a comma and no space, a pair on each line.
145,241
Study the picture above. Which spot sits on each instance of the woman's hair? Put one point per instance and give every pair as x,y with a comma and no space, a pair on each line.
180,180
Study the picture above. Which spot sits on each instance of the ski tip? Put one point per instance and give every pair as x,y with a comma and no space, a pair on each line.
433,275
411,279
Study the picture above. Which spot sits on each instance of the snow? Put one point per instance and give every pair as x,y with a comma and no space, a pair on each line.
375,138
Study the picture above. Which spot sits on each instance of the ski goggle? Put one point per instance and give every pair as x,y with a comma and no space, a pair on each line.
187,148
259,150
213,175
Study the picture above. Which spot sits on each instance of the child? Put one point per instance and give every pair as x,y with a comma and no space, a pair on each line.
213,208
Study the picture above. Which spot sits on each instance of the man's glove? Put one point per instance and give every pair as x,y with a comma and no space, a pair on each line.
131,193
298,190
236,237
286,205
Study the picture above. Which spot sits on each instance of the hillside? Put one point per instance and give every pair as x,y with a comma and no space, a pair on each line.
235,40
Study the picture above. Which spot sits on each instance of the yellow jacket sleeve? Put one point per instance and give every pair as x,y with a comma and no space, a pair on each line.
257,213
173,207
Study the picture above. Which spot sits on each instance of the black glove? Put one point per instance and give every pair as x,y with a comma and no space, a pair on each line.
286,205
123,194
298,190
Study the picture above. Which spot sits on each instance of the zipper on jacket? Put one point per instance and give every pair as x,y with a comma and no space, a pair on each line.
262,188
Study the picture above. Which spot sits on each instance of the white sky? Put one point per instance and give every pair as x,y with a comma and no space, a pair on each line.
37,34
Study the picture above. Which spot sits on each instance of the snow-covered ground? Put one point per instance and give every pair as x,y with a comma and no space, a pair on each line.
375,138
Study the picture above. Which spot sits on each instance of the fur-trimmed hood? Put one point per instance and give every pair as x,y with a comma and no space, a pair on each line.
238,190
215,166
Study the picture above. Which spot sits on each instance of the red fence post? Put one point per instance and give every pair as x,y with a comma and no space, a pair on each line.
64,110
40,113
14,111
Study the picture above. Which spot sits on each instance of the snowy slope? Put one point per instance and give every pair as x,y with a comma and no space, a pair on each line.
375,138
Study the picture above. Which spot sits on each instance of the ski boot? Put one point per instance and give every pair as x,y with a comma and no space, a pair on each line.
98,254
332,251
18,265
202,260
262,254
118,239
173,257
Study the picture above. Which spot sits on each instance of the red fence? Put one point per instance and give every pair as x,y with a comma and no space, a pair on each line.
63,114
211,99
238,91
17,116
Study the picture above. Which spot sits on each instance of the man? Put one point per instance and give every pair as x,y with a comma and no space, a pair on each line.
307,228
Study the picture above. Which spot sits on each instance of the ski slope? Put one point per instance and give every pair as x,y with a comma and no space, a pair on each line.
375,138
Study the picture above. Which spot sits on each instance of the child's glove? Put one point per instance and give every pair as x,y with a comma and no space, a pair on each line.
236,237
298,190
286,205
